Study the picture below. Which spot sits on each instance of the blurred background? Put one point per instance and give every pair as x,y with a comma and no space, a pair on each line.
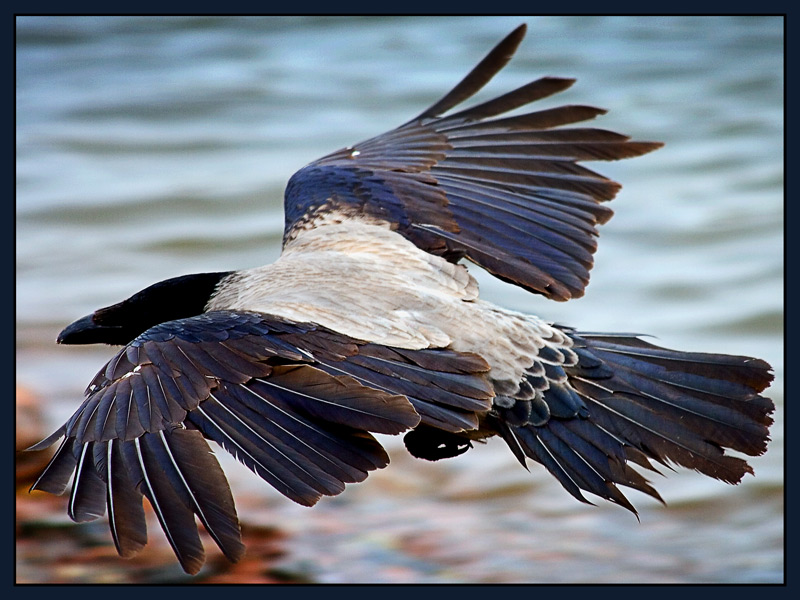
153,147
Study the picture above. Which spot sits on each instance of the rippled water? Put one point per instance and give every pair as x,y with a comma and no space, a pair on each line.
153,147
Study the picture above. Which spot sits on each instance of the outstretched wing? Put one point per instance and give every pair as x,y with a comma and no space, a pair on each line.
504,192
294,402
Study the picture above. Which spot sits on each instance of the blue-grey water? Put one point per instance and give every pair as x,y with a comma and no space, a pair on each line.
153,147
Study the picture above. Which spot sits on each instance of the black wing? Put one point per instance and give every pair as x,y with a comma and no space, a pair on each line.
504,192
293,402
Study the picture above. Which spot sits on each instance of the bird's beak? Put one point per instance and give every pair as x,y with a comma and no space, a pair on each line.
84,331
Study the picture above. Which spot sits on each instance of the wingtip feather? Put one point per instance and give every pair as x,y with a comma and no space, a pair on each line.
497,58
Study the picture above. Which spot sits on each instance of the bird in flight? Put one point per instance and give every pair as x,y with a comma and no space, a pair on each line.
369,322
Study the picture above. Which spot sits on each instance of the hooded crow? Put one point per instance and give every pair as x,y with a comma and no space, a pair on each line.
369,323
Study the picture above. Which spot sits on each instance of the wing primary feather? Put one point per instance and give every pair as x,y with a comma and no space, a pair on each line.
479,76
530,92
206,487
56,475
176,519
87,501
124,502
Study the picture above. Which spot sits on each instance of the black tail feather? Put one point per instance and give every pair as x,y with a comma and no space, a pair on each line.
644,403
683,407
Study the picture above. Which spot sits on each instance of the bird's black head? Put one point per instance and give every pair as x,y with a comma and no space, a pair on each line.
167,300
